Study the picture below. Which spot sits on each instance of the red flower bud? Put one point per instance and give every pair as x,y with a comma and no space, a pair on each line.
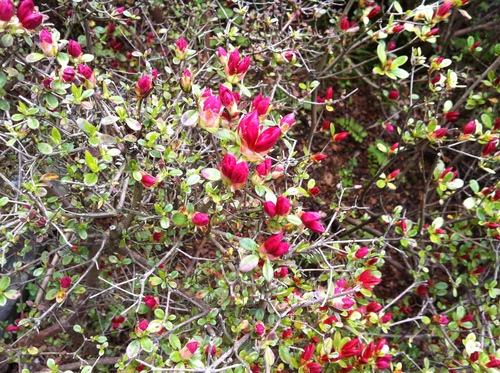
313,368
444,9
440,133
272,243
374,12
450,116
314,191
344,24
157,236
386,318
373,307
489,147
264,168
311,219
308,352
74,49
393,95
340,136
318,157
200,219
475,45
65,282
148,181
394,174
143,87
261,105
192,346
398,28
85,71
391,46
210,350
143,324
269,208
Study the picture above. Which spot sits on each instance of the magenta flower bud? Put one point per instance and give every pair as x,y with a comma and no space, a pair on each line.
47,82
443,10
210,350
143,87
318,157
243,66
287,122
200,219
282,249
32,21
229,99
310,220
260,328
228,163
470,128
65,282
281,273
264,168
26,8
393,95
68,74
394,174
269,208
85,71
361,253
347,303
143,324
192,346
233,62
391,46
273,242
239,175
267,139
398,28
451,115
283,206
46,43
181,49
74,49
344,24
235,68
6,10
261,105
148,181
150,302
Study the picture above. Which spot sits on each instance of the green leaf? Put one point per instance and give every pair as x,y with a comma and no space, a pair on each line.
133,349
179,219
110,119
295,220
133,124
269,356
189,118
90,179
147,344
34,57
63,59
193,179
7,40
12,294
44,148
4,201
381,53
91,162
400,73
55,136
248,263
174,341
211,174
225,134
4,283
399,61
248,244
51,101
268,271
33,123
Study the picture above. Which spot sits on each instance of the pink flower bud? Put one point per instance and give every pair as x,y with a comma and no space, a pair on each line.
148,181
209,112
444,9
361,253
239,175
311,221
281,273
394,174
68,74
65,282
283,206
393,95
74,49
287,122
260,328
181,48
6,10
391,46
192,346
143,87
267,139
200,219
186,81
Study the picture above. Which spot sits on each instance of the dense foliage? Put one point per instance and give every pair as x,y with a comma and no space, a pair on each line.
162,206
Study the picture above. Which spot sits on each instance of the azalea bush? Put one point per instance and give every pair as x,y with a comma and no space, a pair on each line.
162,208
